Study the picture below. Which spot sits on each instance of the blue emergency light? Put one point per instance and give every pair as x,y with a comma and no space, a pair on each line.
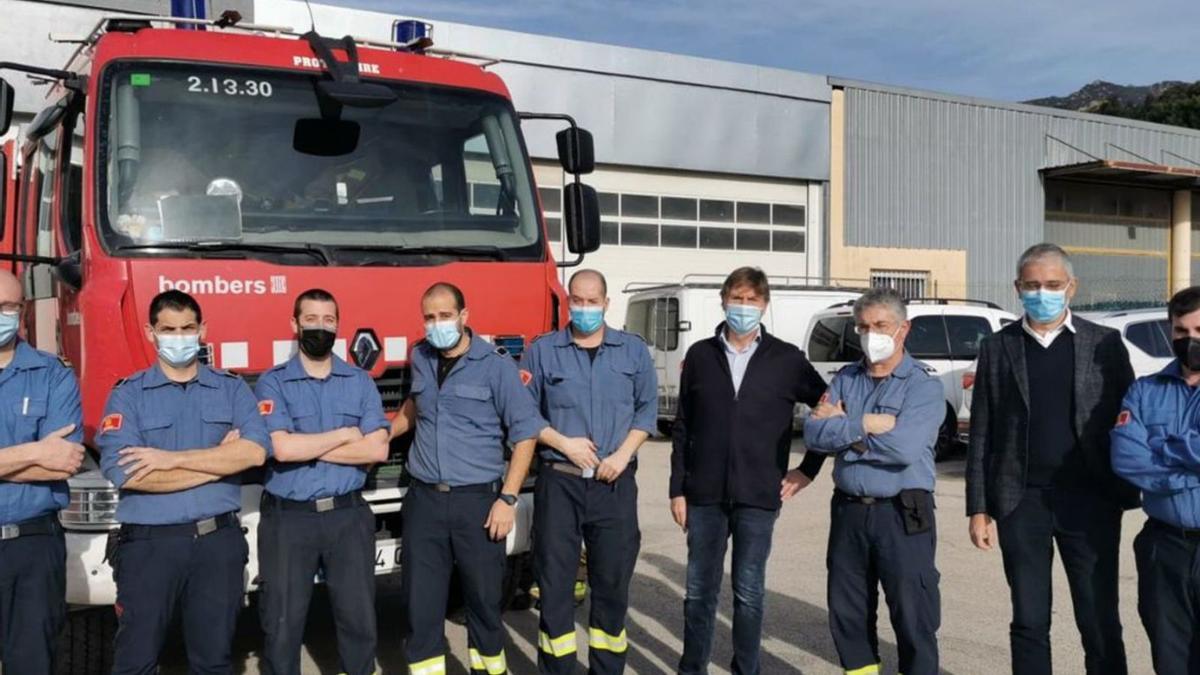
188,9
407,31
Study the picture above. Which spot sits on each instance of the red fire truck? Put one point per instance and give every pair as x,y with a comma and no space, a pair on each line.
244,164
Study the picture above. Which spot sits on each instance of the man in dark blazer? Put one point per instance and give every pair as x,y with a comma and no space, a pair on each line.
1048,390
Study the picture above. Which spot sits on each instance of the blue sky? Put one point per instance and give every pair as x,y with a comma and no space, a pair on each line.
998,49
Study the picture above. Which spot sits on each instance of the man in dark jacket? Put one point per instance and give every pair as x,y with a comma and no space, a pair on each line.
1048,390
732,437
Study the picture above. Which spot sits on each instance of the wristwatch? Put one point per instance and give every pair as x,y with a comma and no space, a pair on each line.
511,500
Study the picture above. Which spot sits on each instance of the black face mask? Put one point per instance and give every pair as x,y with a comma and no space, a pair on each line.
1187,350
317,342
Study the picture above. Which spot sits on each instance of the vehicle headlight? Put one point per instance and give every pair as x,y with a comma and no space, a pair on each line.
91,508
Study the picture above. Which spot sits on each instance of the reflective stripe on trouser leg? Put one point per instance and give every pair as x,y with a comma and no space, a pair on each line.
563,645
612,539
598,639
434,666
557,538
872,669
493,665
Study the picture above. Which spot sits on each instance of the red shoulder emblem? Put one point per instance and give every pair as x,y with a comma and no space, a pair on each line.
526,377
111,422
824,398
266,407
1124,418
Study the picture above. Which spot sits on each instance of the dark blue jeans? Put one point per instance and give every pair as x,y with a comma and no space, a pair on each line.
709,530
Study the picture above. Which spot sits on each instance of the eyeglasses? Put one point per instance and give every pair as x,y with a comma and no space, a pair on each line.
877,327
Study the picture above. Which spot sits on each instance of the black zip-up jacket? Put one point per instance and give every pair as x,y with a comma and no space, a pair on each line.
733,448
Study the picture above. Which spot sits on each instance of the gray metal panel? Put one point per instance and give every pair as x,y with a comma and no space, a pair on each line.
930,171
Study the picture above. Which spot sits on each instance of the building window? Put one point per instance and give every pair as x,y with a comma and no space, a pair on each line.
554,228
754,213
787,242
716,237
639,234
678,208
610,233
551,199
753,240
908,283
786,214
639,206
679,236
716,211
609,203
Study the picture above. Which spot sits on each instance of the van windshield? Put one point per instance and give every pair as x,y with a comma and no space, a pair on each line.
196,154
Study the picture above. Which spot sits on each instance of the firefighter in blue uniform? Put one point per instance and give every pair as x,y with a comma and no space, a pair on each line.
1156,447
467,400
175,438
597,388
327,428
40,428
880,418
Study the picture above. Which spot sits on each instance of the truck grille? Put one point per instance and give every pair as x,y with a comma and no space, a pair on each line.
393,387
90,509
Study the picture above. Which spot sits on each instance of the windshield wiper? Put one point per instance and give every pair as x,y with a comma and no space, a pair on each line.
488,252
313,250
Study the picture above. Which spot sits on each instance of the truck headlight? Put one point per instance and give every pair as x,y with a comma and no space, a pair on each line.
91,508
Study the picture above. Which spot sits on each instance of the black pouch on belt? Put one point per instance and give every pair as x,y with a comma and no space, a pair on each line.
916,507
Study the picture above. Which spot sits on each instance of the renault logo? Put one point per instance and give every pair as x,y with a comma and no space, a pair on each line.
365,348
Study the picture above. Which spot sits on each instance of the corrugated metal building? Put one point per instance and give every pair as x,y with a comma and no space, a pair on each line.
970,183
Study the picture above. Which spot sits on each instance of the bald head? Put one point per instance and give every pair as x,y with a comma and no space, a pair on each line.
11,289
592,279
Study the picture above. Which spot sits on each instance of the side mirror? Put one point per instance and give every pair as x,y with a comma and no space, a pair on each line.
581,217
576,151
6,106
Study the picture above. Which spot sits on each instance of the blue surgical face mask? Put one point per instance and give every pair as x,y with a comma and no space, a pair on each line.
743,319
1044,306
8,327
587,320
443,334
178,350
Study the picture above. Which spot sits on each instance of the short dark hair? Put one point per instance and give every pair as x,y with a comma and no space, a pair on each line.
1184,302
447,287
317,294
595,273
175,300
747,276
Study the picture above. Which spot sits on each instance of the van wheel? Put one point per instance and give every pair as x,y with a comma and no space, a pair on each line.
86,644
947,437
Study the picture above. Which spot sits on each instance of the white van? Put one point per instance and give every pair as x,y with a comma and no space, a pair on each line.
671,317
945,335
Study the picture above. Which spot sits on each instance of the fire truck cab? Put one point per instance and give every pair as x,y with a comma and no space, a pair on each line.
245,164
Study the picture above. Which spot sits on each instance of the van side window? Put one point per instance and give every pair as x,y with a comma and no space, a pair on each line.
824,344
927,338
965,334
638,319
666,324
1151,337
71,213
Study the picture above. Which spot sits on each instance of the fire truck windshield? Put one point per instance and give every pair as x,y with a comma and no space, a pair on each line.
201,157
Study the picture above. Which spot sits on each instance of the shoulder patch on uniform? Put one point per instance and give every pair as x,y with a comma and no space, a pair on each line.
111,422
1124,418
266,407
526,376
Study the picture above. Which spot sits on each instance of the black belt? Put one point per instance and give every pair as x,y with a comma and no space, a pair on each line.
1183,532
196,529
493,486
46,524
858,499
317,505
572,470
